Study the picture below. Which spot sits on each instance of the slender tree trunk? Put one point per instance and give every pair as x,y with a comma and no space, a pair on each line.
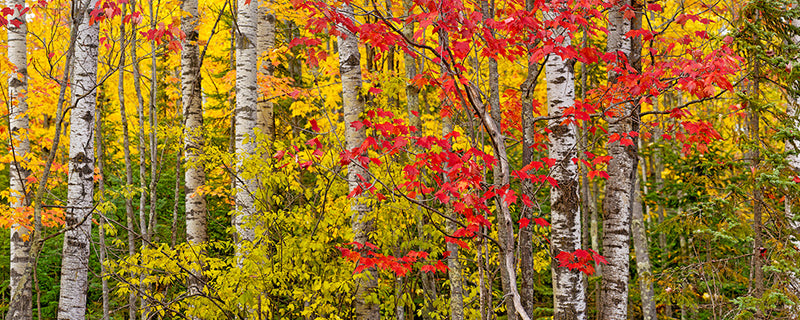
266,42
588,203
412,96
527,271
568,291
454,274
75,261
353,103
412,92
483,292
101,186
504,216
246,115
638,228
129,216
193,141
684,253
757,261
176,197
153,117
505,230
453,264
643,266
619,188
20,306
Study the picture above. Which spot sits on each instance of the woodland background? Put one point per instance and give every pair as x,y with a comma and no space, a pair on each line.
415,159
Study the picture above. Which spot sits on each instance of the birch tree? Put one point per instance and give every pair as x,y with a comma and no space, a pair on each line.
353,104
568,291
75,262
193,141
20,303
246,113
266,42
619,188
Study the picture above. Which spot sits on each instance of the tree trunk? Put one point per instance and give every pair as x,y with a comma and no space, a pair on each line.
246,114
153,117
527,271
75,262
193,141
20,306
101,186
412,92
638,228
619,188
353,103
643,266
505,230
453,264
266,41
757,262
568,291
454,274
129,215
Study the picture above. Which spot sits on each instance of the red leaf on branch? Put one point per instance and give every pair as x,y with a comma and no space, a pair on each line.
524,222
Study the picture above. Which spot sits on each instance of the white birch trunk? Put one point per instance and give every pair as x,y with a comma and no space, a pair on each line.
193,141
266,42
568,291
21,295
353,103
246,114
619,188
75,262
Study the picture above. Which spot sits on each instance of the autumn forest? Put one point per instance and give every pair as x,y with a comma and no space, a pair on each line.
400,159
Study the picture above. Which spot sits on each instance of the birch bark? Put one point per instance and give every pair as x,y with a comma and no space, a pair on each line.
246,113
193,141
619,188
75,262
353,104
20,306
568,292
266,41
